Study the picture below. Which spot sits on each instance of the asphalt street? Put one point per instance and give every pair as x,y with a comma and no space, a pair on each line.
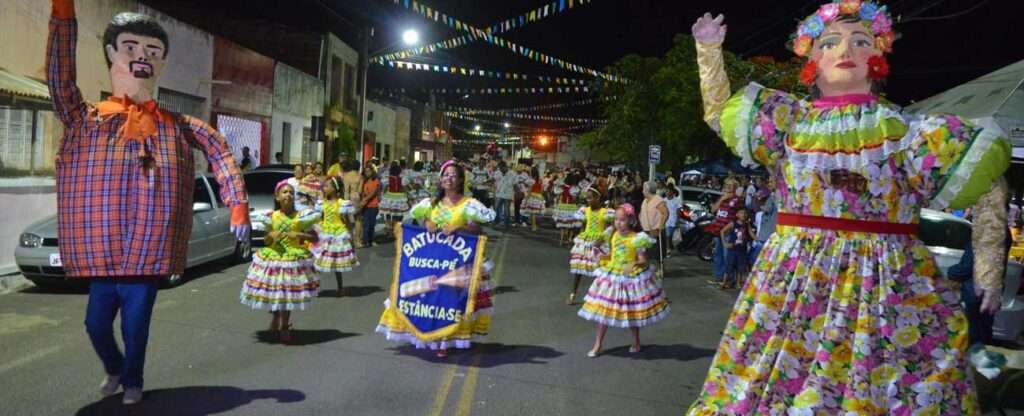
208,354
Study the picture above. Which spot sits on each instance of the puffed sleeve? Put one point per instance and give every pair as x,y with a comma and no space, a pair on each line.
954,162
261,219
642,241
345,207
309,218
581,214
478,212
421,211
756,121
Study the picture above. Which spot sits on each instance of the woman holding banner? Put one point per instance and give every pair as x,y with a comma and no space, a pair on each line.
449,212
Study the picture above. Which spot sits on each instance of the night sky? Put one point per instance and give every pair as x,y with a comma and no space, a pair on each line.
944,42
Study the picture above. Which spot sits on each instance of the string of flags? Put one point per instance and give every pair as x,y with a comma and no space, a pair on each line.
521,116
501,91
528,131
555,7
440,17
426,49
506,25
526,109
458,70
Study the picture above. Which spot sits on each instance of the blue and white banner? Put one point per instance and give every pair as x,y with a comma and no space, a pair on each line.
436,279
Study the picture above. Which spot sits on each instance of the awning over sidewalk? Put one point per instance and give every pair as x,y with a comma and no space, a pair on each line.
993,100
22,86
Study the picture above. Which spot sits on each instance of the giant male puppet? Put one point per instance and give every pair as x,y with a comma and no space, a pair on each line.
125,177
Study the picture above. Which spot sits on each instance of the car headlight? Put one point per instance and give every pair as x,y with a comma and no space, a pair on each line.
30,240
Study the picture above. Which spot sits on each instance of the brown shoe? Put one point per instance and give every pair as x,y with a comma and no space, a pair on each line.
286,334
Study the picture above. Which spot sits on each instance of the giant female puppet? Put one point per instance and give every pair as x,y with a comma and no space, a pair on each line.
124,185
845,311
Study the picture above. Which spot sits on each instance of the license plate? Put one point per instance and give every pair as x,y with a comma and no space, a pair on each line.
55,260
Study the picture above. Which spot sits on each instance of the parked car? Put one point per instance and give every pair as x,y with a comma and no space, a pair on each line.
260,183
698,200
38,255
947,236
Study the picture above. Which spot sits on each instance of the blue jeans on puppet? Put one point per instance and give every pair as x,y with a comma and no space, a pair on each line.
135,301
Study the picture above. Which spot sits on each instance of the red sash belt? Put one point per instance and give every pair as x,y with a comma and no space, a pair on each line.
841,224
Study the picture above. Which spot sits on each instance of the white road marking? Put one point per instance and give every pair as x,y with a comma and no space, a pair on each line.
28,358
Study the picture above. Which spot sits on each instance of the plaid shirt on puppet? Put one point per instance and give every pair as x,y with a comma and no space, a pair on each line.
125,206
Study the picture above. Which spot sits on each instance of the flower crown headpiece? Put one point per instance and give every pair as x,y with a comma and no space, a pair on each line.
871,15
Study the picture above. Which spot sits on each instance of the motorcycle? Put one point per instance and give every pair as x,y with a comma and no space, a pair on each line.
694,238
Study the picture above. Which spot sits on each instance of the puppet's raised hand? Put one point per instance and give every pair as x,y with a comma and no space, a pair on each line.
708,29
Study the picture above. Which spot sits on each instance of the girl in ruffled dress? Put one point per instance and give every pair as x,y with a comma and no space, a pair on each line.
625,292
333,252
533,204
395,202
584,255
565,210
281,277
451,211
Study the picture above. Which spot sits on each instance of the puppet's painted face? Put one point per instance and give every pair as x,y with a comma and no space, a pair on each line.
136,63
842,54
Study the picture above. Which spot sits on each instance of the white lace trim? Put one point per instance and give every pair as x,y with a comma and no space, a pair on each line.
601,319
744,128
397,336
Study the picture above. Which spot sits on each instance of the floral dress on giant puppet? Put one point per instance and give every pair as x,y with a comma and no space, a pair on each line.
845,311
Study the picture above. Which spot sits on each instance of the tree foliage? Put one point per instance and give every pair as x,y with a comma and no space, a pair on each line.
662,105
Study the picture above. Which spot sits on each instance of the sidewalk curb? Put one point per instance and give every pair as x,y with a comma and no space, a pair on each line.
11,283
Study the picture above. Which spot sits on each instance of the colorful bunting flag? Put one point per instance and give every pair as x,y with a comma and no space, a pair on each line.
484,73
499,91
521,116
494,40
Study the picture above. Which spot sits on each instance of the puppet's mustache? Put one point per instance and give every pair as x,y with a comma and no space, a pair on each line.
140,69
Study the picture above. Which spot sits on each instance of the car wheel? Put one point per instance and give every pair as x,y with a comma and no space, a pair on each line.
243,252
173,280
706,249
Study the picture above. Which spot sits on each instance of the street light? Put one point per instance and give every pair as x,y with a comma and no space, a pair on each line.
476,128
410,37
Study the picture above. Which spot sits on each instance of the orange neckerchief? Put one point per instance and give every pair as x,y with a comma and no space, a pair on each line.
141,119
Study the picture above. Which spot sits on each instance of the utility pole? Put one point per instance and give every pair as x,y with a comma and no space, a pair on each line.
364,66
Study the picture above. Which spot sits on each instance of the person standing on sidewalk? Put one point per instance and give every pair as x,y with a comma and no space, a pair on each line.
674,203
725,212
653,216
765,221
370,201
124,185
504,192
736,236
353,184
